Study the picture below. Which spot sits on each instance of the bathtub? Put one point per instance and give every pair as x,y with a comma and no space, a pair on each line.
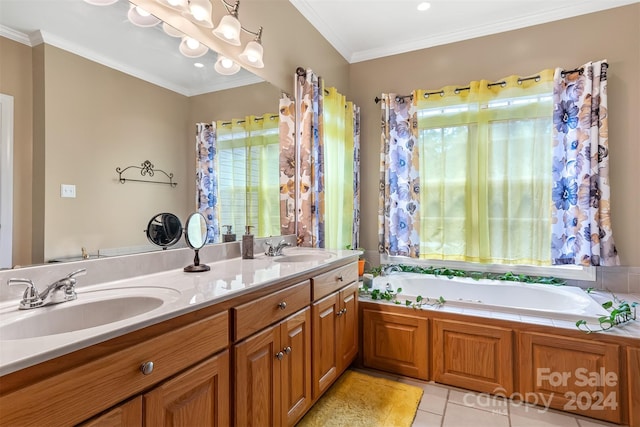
559,302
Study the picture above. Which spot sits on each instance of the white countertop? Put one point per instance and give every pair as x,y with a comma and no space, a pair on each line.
185,292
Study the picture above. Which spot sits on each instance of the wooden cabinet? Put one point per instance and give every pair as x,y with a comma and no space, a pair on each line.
575,375
76,394
335,336
633,385
473,356
128,414
395,341
199,396
273,373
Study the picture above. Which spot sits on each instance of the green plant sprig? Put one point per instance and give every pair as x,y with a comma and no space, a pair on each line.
623,313
476,275
391,296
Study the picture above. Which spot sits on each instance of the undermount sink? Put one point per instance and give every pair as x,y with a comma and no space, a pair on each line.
303,257
91,309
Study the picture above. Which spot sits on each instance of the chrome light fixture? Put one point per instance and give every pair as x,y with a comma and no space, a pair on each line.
199,12
252,53
226,66
140,17
192,48
229,26
229,30
179,5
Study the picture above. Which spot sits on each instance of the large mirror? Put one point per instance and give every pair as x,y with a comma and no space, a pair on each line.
92,113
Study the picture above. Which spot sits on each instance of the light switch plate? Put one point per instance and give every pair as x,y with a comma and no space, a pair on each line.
68,190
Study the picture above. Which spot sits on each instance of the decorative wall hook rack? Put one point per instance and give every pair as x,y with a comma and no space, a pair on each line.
146,169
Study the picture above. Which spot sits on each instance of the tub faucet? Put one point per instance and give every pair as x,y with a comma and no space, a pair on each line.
275,250
389,268
59,291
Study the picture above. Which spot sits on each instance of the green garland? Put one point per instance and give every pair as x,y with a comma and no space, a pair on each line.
475,275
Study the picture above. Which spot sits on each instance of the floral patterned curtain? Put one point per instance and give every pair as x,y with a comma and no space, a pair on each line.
581,230
287,128
322,148
399,201
310,203
207,179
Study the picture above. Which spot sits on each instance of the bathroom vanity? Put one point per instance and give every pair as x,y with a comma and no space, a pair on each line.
258,353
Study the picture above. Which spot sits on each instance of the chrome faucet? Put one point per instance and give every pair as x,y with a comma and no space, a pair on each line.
59,291
389,268
275,250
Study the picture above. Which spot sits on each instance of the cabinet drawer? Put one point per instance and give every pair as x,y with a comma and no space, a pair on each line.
77,394
255,315
329,282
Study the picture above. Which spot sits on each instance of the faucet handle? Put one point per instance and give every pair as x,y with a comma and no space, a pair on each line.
80,272
30,297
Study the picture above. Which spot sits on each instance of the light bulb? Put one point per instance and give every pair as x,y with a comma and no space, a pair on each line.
192,43
198,12
226,63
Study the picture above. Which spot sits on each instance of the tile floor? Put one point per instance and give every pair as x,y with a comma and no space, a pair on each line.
444,406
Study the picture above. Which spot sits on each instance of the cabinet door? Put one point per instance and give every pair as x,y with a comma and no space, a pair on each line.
199,396
476,357
348,327
296,366
395,342
571,374
129,414
257,379
324,314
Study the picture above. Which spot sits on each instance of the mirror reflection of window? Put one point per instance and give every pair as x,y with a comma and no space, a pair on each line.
240,185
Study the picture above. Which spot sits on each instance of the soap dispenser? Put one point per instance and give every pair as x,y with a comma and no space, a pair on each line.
247,243
228,236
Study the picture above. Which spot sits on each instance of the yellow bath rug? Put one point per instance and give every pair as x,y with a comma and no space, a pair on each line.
358,399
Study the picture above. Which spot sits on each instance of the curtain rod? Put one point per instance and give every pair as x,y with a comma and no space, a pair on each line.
401,98
255,119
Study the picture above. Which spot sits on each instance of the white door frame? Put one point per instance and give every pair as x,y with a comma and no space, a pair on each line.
6,180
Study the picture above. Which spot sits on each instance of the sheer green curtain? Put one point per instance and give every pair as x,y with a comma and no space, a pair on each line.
339,169
248,150
485,156
263,192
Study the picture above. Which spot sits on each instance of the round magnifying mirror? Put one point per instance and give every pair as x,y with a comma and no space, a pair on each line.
164,229
196,236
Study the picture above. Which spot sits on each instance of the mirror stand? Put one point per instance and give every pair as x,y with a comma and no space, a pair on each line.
196,266
196,236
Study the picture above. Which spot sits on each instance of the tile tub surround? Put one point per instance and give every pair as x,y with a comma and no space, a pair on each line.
619,279
227,279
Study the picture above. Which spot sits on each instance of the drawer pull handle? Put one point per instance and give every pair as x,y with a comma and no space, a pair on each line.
287,350
279,355
340,278
146,368
282,305
344,310
339,313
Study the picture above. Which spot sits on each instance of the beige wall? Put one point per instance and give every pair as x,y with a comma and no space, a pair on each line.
16,80
568,43
517,52
97,119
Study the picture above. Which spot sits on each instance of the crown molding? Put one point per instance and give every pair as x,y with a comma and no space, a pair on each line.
305,7
39,37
